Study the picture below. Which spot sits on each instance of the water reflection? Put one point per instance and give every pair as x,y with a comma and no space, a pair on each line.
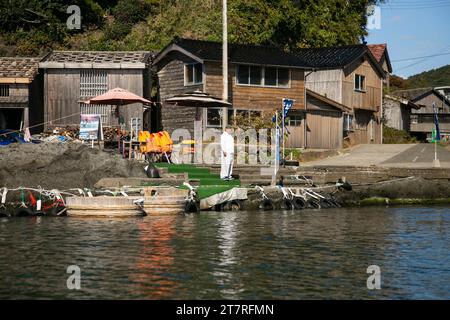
155,258
265,255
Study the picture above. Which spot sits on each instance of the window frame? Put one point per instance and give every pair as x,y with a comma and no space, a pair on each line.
206,118
360,89
349,126
5,90
296,119
195,83
263,77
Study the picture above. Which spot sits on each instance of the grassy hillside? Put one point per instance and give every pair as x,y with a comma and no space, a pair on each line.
33,27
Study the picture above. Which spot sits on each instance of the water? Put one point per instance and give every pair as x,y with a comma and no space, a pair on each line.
272,255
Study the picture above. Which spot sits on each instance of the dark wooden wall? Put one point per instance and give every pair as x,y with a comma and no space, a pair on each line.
62,95
171,83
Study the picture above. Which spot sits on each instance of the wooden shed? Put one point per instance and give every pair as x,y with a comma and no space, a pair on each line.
20,93
74,76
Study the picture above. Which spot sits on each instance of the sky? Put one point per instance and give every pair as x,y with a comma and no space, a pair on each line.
413,29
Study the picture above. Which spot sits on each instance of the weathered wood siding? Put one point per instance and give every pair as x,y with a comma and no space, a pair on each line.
339,85
428,101
254,97
371,98
62,92
62,95
171,83
324,127
18,90
367,128
327,83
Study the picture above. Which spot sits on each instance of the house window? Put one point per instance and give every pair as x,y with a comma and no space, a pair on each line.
4,90
360,82
244,114
214,117
249,75
259,76
193,73
348,122
295,121
283,77
93,82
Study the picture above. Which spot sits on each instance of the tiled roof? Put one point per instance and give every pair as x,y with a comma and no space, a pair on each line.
377,50
240,53
415,95
332,57
318,58
19,67
13,99
336,57
411,94
99,56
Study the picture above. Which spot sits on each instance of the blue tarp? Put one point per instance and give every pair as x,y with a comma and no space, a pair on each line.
10,136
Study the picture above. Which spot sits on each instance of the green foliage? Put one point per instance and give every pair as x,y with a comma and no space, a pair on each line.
433,78
294,152
151,24
394,136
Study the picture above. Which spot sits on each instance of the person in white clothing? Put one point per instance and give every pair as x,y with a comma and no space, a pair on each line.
227,146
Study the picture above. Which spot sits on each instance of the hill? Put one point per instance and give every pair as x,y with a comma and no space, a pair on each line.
34,27
433,78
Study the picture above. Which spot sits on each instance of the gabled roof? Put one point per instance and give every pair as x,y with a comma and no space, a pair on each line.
87,59
415,95
329,101
238,53
406,102
337,57
378,50
14,68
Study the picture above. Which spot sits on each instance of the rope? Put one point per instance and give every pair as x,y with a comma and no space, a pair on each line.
38,125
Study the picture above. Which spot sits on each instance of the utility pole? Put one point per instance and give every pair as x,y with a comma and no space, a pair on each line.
225,63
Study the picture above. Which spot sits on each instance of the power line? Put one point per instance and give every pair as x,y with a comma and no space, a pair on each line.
417,58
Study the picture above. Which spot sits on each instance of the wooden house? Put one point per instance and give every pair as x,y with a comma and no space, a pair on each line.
71,77
397,112
20,93
259,78
422,118
351,76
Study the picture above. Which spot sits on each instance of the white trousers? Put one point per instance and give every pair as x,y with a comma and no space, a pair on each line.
226,166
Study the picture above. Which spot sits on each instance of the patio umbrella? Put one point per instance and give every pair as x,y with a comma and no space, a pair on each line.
118,97
197,99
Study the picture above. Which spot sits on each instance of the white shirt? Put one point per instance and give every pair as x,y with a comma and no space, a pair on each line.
227,143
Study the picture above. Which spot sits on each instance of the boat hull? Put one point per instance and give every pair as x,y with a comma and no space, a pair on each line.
120,207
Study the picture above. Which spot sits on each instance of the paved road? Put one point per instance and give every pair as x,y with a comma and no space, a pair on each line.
421,155
389,155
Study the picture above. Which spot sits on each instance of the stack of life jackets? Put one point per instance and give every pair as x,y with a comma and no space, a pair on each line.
159,142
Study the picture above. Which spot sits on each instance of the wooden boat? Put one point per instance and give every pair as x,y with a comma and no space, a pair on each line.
157,201
105,206
164,200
